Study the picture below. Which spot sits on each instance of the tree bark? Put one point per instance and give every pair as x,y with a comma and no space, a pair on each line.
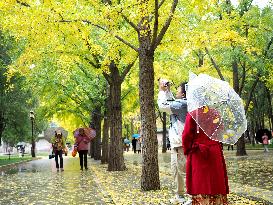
150,170
1,129
241,151
132,127
105,139
92,149
96,116
164,137
270,115
116,159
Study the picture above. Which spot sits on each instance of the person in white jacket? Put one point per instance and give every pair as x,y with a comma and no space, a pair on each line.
177,108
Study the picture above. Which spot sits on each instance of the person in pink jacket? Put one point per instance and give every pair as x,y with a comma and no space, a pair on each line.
265,142
82,142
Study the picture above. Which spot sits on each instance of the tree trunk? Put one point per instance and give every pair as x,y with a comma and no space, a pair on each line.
105,139
252,133
270,112
32,139
200,58
1,130
116,159
164,138
96,116
92,149
132,127
150,170
241,151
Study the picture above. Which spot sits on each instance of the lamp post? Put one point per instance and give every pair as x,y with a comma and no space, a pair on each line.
32,117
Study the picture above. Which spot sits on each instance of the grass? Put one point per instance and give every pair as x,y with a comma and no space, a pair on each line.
251,147
4,160
257,146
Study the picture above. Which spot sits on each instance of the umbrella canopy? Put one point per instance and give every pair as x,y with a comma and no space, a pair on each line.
89,132
21,144
260,134
216,108
50,132
126,141
136,136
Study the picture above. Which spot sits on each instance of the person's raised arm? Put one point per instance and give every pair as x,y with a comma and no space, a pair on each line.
165,96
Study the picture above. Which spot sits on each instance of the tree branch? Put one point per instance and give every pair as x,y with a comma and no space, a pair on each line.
155,23
107,77
23,3
126,43
102,28
89,61
215,65
243,79
127,69
166,25
161,3
116,36
123,97
131,23
251,93
268,46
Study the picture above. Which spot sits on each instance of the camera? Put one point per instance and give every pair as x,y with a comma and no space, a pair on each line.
51,156
167,84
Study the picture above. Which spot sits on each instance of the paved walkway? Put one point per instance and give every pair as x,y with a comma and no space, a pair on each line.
37,182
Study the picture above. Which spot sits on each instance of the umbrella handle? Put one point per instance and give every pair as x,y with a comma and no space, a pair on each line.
197,129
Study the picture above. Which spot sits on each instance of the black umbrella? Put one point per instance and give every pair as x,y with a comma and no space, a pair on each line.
260,134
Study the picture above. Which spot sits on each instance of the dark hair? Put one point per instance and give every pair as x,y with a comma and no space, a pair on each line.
59,135
183,87
92,125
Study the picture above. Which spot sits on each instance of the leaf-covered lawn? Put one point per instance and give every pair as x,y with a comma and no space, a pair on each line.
124,187
37,182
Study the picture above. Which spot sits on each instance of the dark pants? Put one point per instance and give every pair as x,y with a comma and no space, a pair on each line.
59,153
134,149
230,146
83,158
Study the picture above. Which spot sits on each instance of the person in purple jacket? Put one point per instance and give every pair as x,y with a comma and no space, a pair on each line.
82,142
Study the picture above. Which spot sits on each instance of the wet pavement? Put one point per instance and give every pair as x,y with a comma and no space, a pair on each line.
38,182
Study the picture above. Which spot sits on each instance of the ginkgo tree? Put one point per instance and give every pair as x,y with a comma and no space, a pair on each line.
165,38
75,39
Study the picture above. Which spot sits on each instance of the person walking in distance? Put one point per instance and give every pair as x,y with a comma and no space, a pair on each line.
265,142
138,146
134,142
82,142
177,108
58,145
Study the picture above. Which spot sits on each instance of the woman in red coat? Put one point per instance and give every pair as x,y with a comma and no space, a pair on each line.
206,175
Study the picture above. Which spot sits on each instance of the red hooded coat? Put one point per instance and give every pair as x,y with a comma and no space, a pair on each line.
205,167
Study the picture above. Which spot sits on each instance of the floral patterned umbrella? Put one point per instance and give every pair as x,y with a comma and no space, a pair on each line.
91,133
217,108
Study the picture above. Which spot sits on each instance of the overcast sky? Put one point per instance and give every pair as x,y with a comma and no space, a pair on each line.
261,3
